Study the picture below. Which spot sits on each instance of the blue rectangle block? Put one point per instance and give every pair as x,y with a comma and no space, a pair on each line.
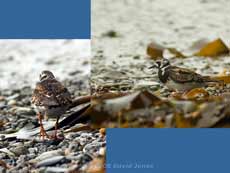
168,150
51,19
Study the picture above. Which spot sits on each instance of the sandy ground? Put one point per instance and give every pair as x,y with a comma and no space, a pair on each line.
175,23
21,61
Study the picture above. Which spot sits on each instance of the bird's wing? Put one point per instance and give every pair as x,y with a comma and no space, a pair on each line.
184,75
51,93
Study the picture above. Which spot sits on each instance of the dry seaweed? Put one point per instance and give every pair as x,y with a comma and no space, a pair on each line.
213,49
201,48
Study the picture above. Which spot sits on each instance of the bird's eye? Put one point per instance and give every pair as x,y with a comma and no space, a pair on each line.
166,61
43,76
158,63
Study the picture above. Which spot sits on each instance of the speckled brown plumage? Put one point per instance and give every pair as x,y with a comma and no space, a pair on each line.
50,98
51,92
181,79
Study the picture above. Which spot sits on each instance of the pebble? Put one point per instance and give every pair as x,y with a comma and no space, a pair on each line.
55,170
73,147
49,154
12,102
23,111
3,105
2,98
31,156
2,169
102,151
33,150
92,147
81,158
13,97
18,151
50,161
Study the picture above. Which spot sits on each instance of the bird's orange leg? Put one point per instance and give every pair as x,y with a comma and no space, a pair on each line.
56,129
42,130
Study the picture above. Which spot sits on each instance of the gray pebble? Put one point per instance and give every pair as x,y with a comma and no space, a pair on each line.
19,150
33,150
13,97
73,147
55,170
12,102
49,154
50,161
31,156
24,111
2,169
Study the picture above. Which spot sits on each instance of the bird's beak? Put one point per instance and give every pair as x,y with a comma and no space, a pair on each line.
153,66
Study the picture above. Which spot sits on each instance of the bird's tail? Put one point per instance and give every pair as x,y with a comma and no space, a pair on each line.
212,80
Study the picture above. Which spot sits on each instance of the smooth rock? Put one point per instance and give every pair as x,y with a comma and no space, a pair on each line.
49,154
102,151
13,97
2,169
33,150
50,161
24,111
12,102
55,170
92,146
73,147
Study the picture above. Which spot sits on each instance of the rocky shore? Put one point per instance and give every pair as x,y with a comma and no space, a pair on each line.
69,60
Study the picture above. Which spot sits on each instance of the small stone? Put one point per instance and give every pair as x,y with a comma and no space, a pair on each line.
56,170
2,98
2,105
12,102
83,158
3,155
25,169
33,150
49,154
73,147
111,34
20,150
50,161
2,169
24,111
13,97
102,151
31,156
92,147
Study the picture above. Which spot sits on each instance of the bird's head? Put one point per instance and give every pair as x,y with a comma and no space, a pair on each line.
46,75
161,64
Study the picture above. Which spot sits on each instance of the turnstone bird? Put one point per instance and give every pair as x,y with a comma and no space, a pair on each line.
50,99
181,79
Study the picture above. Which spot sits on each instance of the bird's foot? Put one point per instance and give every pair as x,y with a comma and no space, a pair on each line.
56,137
43,133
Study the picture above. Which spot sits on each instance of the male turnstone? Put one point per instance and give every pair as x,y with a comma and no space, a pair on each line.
181,79
51,99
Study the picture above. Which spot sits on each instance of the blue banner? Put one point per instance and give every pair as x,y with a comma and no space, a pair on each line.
51,19
168,150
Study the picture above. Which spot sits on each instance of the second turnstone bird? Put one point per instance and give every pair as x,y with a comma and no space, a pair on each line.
181,79
51,99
